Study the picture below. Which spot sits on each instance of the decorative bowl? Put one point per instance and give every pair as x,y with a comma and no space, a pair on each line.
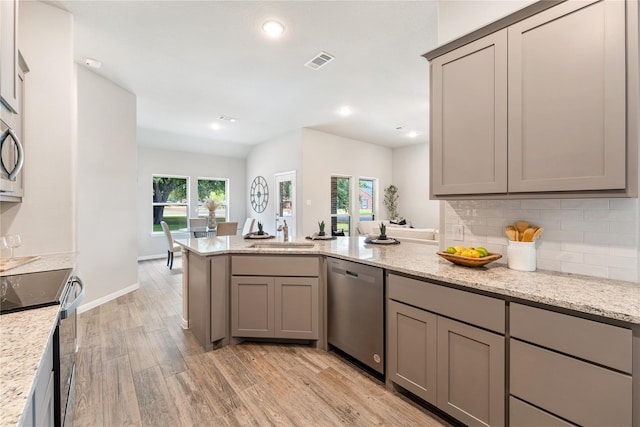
470,262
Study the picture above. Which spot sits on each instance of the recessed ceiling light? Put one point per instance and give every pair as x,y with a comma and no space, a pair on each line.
215,126
273,28
345,111
412,134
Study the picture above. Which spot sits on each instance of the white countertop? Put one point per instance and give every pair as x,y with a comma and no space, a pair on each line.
612,299
24,336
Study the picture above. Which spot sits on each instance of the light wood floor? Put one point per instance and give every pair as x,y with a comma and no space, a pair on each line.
137,366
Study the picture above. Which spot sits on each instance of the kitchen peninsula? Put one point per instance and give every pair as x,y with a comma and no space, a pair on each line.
521,327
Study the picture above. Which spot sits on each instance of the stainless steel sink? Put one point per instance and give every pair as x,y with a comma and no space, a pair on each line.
283,245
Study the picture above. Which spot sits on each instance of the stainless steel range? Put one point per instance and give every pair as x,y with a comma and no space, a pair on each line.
56,287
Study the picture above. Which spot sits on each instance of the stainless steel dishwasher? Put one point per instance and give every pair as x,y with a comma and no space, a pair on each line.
355,310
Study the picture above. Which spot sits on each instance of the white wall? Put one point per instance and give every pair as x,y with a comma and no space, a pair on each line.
411,176
193,165
280,154
459,17
106,199
45,218
324,155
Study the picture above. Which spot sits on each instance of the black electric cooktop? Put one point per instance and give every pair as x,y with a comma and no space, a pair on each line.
32,290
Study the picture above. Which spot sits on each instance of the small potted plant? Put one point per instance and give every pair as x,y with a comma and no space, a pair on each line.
260,230
321,227
383,232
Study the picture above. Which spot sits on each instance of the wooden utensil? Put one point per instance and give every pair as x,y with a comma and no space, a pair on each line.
537,233
521,226
527,236
511,232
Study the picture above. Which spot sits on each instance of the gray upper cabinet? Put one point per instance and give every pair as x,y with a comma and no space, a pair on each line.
469,118
539,104
567,99
9,54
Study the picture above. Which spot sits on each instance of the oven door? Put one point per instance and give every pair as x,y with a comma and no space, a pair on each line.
67,348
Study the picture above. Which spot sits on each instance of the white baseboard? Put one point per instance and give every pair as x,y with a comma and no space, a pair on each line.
107,298
185,323
149,257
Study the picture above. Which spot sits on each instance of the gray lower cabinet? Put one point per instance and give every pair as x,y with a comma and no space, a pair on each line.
40,405
208,298
275,297
571,368
458,367
274,307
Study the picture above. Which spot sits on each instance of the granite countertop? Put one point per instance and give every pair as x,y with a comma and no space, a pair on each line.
612,299
22,345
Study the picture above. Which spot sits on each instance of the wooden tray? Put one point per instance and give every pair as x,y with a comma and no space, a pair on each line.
9,263
470,262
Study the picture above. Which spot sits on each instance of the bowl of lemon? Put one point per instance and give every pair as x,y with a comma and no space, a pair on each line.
469,257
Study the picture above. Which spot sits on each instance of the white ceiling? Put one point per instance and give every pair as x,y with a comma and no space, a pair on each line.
189,62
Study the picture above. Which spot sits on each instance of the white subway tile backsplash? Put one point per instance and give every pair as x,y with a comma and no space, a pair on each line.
628,274
595,237
563,256
542,204
586,269
561,214
585,248
625,204
595,226
585,203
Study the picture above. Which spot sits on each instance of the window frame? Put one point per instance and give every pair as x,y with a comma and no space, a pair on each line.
185,204
349,203
226,193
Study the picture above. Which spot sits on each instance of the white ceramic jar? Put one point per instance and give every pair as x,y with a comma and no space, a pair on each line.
521,256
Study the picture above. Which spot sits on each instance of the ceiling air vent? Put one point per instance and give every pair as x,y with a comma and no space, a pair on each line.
319,60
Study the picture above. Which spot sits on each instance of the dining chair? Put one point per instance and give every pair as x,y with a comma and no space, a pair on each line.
173,247
248,226
227,229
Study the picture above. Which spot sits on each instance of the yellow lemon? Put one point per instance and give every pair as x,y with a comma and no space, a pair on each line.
450,250
459,248
472,253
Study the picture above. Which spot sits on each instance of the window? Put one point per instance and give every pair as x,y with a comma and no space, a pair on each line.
340,204
170,202
367,198
214,189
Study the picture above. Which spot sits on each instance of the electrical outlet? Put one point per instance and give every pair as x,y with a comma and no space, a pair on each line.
458,231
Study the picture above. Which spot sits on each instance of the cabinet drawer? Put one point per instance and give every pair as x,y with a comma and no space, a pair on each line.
522,414
252,265
598,342
578,391
478,310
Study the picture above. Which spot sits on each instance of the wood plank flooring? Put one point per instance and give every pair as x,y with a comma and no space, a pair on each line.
138,367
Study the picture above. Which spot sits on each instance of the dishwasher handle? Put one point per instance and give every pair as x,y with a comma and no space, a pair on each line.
351,273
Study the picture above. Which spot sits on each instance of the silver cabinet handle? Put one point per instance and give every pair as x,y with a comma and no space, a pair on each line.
69,309
15,170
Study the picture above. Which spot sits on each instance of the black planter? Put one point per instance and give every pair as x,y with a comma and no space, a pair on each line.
321,233
382,237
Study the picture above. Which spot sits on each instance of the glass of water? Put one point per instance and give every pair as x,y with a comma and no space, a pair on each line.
3,244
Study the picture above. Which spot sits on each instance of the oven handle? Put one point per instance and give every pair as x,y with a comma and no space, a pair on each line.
69,309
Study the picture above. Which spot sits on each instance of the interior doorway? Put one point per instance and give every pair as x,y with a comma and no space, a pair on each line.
286,200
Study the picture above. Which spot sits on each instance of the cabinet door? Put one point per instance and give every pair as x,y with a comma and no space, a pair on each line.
296,307
471,374
412,349
567,98
469,118
9,54
252,304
